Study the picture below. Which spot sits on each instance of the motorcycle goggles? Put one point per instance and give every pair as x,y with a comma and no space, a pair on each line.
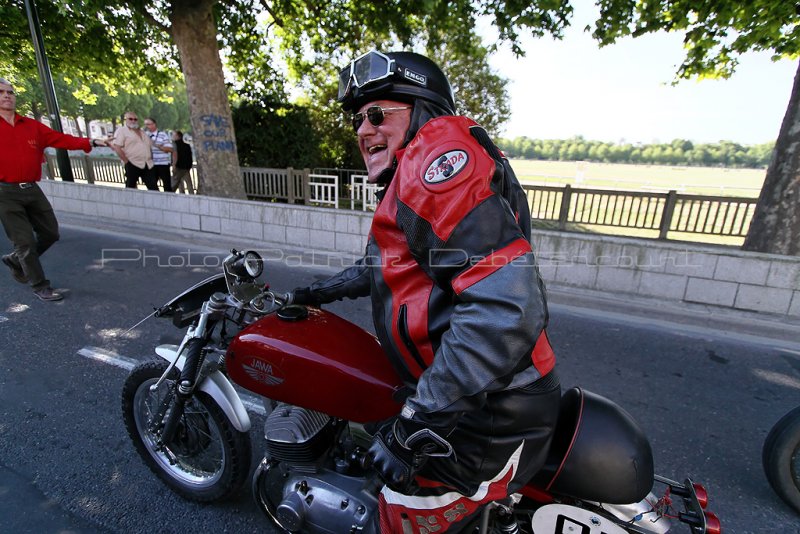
364,70
375,115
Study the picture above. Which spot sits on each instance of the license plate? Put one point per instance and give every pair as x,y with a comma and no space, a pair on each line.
564,519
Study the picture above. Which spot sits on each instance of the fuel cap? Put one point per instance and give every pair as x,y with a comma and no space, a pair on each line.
293,313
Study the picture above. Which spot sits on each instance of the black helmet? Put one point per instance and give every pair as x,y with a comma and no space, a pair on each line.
402,76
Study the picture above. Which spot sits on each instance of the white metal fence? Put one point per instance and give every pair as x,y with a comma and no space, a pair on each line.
323,189
362,193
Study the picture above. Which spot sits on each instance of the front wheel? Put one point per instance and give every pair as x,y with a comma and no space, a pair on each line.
207,459
781,458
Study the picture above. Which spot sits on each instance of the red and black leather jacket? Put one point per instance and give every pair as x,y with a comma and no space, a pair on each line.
457,300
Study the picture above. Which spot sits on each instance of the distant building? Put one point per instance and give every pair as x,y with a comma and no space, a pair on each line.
96,128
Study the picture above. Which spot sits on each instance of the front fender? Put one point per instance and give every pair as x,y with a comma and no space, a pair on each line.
218,387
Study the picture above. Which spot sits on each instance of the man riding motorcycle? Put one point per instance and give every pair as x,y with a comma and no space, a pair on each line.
458,303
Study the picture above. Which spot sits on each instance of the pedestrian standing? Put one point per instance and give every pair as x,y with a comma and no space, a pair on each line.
27,216
162,153
183,164
134,148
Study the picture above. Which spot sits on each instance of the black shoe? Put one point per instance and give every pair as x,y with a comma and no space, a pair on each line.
47,294
16,270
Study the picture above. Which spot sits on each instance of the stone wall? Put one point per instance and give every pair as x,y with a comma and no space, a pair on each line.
714,276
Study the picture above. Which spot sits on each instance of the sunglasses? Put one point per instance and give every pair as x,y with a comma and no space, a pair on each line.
134,119
375,115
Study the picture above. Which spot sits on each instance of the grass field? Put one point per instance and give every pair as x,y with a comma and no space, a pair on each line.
693,180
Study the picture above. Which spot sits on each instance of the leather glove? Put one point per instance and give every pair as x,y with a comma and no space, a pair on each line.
304,296
401,448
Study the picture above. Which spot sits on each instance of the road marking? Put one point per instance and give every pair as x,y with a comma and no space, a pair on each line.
251,403
108,357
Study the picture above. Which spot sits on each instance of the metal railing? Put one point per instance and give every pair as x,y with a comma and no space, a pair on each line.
93,170
362,193
566,207
661,212
323,189
289,185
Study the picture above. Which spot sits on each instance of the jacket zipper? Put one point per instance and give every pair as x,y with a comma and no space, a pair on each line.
402,328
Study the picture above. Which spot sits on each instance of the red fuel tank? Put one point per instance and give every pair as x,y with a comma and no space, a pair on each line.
321,362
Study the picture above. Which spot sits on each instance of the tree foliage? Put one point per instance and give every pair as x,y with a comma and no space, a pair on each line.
317,41
140,41
715,34
291,140
679,152
98,40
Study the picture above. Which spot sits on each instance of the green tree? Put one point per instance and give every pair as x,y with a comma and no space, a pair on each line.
105,105
480,93
275,135
67,91
143,40
716,33
30,96
90,39
315,39
165,114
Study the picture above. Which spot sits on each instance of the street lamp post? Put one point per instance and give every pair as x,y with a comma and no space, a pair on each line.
49,91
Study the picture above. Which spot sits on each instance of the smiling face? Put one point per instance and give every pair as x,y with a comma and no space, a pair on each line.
131,120
378,144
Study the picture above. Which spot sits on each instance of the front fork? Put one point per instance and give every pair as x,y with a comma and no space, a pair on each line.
172,407
182,393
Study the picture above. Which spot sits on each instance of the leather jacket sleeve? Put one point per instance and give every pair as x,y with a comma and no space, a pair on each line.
353,282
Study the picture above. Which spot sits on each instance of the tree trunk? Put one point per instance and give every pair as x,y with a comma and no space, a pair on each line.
776,223
194,32
77,126
37,113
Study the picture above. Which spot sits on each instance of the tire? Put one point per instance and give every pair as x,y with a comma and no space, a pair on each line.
781,458
213,458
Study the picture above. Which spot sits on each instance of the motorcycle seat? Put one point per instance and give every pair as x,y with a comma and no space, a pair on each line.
598,453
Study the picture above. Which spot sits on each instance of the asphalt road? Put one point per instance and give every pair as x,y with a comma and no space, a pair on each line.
705,399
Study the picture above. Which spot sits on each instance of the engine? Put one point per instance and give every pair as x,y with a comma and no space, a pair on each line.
312,479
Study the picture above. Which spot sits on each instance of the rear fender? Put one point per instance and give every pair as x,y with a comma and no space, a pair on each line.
218,387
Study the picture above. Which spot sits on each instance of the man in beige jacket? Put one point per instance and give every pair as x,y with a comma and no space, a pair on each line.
134,148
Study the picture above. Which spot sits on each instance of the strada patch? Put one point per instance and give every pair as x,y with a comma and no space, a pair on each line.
446,167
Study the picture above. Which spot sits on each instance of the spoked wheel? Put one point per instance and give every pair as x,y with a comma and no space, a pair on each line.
207,459
781,458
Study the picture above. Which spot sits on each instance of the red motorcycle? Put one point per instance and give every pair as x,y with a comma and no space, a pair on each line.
325,383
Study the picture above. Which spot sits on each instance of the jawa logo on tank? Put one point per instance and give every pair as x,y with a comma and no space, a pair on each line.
446,166
263,372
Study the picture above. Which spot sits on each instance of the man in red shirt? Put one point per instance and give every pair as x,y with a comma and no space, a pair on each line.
26,214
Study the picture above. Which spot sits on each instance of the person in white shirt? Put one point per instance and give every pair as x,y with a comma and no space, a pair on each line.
162,153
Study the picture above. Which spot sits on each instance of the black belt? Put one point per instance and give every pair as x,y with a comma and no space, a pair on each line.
20,185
